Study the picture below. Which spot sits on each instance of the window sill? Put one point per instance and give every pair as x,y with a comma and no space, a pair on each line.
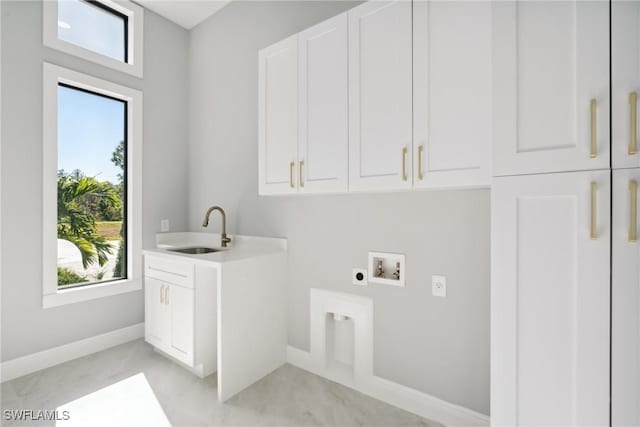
86,293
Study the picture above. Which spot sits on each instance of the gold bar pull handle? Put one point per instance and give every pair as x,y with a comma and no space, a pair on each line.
594,133
292,165
301,173
633,222
420,151
633,127
166,295
162,294
594,211
404,163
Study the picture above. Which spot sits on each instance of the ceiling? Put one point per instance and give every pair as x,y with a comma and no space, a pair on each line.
186,13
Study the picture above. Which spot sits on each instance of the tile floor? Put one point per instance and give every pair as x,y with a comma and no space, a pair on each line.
131,385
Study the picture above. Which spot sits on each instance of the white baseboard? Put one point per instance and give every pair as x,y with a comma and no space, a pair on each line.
395,394
54,356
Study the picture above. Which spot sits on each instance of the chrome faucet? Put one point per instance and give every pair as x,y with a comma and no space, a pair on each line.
224,239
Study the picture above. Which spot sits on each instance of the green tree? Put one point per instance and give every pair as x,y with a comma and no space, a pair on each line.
75,222
118,159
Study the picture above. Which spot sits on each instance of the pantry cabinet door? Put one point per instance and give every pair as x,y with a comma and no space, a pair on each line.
380,96
452,93
157,320
323,137
625,57
550,299
625,364
550,86
278,117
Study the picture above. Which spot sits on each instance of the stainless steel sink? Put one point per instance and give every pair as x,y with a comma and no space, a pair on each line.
195,251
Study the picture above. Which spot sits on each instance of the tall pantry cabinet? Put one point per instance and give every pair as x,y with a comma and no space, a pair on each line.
565,252
561,219
625,292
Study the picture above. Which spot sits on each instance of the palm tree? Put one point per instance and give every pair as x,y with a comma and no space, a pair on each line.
77,225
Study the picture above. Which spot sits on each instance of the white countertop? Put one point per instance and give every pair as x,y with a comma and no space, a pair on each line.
241,247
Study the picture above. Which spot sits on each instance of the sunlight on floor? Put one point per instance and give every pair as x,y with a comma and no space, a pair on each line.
130,402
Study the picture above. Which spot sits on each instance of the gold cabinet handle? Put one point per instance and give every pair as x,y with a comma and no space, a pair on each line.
166,295
301,173
420,151
404,163
162,294
633,140
594,211
633,222
594,141
292,165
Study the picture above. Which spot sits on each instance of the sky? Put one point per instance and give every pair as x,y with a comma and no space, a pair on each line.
90,27
90,127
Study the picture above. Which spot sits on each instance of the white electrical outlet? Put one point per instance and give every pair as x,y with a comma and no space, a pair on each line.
439,286
359,276
164,225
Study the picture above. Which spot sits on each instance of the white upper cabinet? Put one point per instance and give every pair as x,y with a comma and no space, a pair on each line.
625,352
323,138
550,86
278,117
452,93
380,96
550,290
625,55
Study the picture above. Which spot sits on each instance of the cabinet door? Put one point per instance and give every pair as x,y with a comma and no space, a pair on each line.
452,93
278,117
625,353
625,56
323,136
157,321
551,86
380,93
550,299
181,303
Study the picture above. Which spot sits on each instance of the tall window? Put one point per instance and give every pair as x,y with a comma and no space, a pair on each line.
92,184
92,160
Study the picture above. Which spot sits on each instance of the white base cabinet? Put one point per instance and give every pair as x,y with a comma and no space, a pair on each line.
550,293
625,393
180,312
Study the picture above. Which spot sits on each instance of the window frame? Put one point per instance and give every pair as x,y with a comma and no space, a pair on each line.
53,75
134,34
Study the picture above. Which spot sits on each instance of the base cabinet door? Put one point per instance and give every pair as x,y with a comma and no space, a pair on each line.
157,320
452,93
278,117
625,353
550,299
550,86
181,304
625,78
380,96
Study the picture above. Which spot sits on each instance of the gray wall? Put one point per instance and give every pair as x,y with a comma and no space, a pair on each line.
439,346
26,327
